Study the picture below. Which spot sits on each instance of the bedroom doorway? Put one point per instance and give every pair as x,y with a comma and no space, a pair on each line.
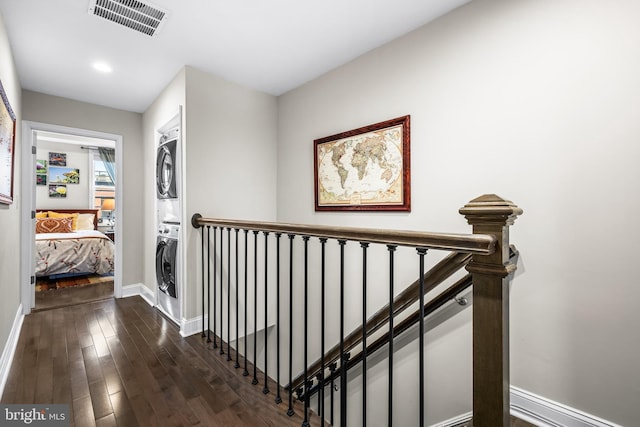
74,172
67,173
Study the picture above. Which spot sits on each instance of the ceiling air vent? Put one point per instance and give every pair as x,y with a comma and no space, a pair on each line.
134,14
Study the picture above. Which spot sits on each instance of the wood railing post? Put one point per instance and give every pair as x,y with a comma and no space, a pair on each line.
490,214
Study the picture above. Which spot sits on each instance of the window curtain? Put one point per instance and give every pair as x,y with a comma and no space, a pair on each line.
108,157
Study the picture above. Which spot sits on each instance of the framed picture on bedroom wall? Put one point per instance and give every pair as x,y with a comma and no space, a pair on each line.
57,159
7,148
364,169
60,175
58,191
41,172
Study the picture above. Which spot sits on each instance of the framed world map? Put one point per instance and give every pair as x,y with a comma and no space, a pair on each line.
365,169
7,145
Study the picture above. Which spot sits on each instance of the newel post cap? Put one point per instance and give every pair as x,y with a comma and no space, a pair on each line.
490,209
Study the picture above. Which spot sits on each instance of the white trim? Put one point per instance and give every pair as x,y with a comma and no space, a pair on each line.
141,290
27,225
27,290
539,411
187,327
544,412
10,348
455,421
192,326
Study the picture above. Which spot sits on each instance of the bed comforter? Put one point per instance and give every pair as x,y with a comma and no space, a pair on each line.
87,251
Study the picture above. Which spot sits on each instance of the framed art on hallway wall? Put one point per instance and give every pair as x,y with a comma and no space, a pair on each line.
7,147
364,169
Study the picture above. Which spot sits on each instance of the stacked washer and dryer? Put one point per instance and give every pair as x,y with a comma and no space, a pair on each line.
168,245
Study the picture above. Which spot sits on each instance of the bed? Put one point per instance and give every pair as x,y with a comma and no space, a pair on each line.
68,242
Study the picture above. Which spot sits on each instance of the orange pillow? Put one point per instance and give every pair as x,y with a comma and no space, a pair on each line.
53,225
73,216
41,214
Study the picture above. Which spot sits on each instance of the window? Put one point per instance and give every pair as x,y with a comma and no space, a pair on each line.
103,191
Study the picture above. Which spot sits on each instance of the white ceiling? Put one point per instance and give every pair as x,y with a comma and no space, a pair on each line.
271,46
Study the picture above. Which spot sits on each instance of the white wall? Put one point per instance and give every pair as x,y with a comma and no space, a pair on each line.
164,108
77,195
10,214
230,157
229,149
536,101
54,110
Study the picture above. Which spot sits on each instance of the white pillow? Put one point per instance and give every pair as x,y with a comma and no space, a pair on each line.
85,222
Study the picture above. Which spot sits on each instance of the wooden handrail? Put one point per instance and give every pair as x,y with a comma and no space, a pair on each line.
435,276
491,271
403,326
432,305
468,243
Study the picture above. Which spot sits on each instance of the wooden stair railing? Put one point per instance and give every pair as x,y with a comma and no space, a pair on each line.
449,265
405,324
489,267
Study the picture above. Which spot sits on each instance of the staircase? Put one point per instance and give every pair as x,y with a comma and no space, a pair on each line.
297,301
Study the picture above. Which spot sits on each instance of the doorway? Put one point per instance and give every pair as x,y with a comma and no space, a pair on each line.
53,192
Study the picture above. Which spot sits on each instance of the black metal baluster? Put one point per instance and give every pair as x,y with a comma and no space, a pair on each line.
202,247
278,397
221,289
319,388
343,356
208,288
323,243
245,372
364,246
290,411
237,364
265,389
332,371
421,252
215,275
305,422
228,294
391,249
255,308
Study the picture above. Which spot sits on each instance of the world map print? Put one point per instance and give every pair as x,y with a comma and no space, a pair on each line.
7,133
362,169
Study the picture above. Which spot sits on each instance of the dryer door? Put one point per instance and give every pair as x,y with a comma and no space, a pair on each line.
166,266
166,171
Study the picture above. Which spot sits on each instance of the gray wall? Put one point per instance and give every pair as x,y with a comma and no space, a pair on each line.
229,153
77,196
49,109
10,214
536,101
162,110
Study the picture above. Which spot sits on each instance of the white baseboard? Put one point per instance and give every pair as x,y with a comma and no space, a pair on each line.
455,421
10,348
544,412
192,326
187,327
141,290
539,411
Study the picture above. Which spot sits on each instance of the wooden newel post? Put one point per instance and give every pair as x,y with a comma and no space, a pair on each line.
490,214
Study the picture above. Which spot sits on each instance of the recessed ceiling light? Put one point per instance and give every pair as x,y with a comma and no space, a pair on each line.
103,67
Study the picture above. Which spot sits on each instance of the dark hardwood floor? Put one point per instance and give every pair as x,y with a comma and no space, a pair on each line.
53,293
119,362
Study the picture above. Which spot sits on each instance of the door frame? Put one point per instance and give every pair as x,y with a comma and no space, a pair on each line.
28,193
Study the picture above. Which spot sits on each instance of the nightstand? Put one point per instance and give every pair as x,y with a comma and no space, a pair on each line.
111,234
